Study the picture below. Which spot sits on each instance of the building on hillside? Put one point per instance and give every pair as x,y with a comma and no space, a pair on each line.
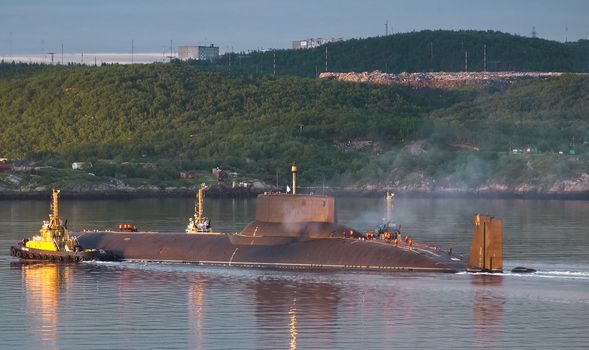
5,165
193,52
81,165
220,174
189,174
313,42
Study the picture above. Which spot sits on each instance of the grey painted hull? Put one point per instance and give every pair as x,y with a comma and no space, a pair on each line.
272,252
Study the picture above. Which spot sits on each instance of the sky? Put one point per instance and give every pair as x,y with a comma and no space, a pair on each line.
40,26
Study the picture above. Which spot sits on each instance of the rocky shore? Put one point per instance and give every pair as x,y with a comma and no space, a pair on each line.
107,191
441,80
577,188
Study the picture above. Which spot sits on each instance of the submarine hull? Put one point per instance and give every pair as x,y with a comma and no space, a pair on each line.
271,252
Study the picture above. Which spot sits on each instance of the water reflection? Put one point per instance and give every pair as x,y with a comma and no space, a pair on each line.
196,307
43,283
299,307
292,313
488,310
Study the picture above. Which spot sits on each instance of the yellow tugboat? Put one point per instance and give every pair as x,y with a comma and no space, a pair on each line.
200,223
54,242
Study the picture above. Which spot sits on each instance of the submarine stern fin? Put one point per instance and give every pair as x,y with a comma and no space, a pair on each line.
486,250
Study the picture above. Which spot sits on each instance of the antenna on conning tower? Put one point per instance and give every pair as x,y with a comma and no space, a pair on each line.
293,169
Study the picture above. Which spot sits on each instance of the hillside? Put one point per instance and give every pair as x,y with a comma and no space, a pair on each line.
145,124
191,119
532,138
424,51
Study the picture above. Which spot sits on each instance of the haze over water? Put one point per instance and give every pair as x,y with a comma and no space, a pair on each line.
155,306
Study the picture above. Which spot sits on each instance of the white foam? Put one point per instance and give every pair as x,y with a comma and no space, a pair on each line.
575,275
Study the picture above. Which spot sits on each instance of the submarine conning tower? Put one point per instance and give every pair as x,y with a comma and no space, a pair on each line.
295,208
295,215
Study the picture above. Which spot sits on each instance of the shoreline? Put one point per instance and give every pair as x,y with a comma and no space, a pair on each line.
215,192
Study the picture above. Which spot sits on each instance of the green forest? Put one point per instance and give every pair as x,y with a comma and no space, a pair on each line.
422,51
181,116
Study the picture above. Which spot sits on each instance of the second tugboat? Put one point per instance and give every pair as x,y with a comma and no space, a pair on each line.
54,242
199,223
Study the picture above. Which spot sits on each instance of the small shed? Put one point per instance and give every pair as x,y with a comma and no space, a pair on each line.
81,165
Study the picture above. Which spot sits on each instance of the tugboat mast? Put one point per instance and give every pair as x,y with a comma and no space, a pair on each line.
54,218
199,223
293,169
199,212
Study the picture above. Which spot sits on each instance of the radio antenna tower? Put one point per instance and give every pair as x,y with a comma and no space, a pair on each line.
386,28
52,54
566,33
485,57
534,33
132,50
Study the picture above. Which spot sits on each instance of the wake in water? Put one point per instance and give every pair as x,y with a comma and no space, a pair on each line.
575,275
575,272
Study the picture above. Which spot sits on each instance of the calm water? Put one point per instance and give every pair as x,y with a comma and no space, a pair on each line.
165,306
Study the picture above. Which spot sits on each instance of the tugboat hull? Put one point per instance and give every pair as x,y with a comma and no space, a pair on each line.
26,253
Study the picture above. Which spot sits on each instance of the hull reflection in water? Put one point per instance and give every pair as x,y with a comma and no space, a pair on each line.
488,310
44,283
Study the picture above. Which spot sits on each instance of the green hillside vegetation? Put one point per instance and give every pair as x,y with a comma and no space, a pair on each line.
474,141
184,118
179,117
423,51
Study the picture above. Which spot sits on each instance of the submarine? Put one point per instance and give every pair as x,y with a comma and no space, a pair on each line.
290,231
297,231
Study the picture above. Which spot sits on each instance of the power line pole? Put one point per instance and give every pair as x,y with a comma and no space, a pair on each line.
386,28
326,58
61,53
431,55
466,61
132,51
274,62
52,54
485,57
10,45
170,56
